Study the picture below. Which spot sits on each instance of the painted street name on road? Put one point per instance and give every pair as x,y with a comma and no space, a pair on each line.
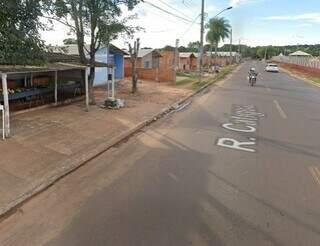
244,119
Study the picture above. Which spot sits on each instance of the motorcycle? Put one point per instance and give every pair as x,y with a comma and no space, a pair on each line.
252,79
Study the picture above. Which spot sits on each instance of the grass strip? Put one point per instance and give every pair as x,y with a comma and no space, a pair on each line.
220,76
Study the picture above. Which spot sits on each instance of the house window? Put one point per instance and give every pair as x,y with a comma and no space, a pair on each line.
147,64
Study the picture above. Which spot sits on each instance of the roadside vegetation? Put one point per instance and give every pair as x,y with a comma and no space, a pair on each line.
211,80
191,80
315,79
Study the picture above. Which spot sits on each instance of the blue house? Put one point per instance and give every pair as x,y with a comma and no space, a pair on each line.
112,55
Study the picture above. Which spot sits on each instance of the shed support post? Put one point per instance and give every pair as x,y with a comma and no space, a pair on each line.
108,83
113,83
6,105
55,88
87,88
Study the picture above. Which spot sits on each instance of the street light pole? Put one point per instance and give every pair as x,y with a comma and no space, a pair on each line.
200,63
231,58
201,42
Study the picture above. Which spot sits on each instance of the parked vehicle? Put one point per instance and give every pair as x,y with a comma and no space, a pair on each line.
271,67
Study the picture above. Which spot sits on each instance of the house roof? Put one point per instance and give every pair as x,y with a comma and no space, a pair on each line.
144,52
224,53
186,54
299,53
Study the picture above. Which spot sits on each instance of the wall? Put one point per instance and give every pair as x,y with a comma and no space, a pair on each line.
119,62
184,64
165,72
146,59
166,67
101,75
310,62
194,63
219,60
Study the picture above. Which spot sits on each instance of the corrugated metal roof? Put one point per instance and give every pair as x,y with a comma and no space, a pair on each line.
144,52
186,54
56,62
223,53
299,53
72,49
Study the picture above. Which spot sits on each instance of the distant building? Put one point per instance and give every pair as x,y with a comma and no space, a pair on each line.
187,61
221,58
147,58
153,65
111,55
300,53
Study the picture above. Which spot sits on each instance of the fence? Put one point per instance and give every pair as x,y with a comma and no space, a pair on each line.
310,62
155,74
2,121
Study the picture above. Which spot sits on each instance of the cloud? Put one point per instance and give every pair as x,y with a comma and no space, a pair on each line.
312,17
304,25
235,3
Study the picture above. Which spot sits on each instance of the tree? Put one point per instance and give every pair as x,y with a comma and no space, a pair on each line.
169,48
219,29
70,41
194,46
99,20
20,41
133,51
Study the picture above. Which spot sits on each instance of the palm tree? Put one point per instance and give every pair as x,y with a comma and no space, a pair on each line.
219,29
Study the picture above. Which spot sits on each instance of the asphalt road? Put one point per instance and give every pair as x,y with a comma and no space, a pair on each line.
239,166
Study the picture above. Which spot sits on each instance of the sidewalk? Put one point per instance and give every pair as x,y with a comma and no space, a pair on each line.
46,143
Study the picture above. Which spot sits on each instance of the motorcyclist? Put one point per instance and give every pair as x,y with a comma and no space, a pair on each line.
252,72
252,76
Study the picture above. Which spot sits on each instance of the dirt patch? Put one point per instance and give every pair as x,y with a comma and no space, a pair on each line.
302,71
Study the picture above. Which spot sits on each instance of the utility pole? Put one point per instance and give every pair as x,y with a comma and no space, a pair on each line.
265,53
201,42
240,48
176,60
231,58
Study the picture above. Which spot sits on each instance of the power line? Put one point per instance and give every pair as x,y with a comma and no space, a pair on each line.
168,12
169,19
189,27
178,11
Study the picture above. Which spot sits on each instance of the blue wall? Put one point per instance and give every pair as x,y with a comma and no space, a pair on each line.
101,73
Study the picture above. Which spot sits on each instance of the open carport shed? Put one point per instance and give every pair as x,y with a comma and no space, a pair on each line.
57,63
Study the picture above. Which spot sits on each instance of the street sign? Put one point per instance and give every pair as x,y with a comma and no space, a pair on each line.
2,113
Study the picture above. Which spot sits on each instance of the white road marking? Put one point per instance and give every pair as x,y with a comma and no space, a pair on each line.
315,172
281,112
235,144
230,126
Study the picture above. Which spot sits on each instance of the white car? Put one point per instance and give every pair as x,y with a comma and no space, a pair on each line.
272,68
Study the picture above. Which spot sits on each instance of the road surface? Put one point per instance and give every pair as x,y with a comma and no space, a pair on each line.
240,166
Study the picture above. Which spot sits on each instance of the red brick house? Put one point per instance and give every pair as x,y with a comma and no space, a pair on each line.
187,62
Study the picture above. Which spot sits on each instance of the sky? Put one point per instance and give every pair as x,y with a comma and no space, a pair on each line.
254,22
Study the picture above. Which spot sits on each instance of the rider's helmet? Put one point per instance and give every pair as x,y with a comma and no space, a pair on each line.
252,69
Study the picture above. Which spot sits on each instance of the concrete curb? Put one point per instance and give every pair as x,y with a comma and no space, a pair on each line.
300,77
72,164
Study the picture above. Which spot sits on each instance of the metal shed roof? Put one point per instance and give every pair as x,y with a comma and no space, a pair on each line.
56,62
186,54
299,53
